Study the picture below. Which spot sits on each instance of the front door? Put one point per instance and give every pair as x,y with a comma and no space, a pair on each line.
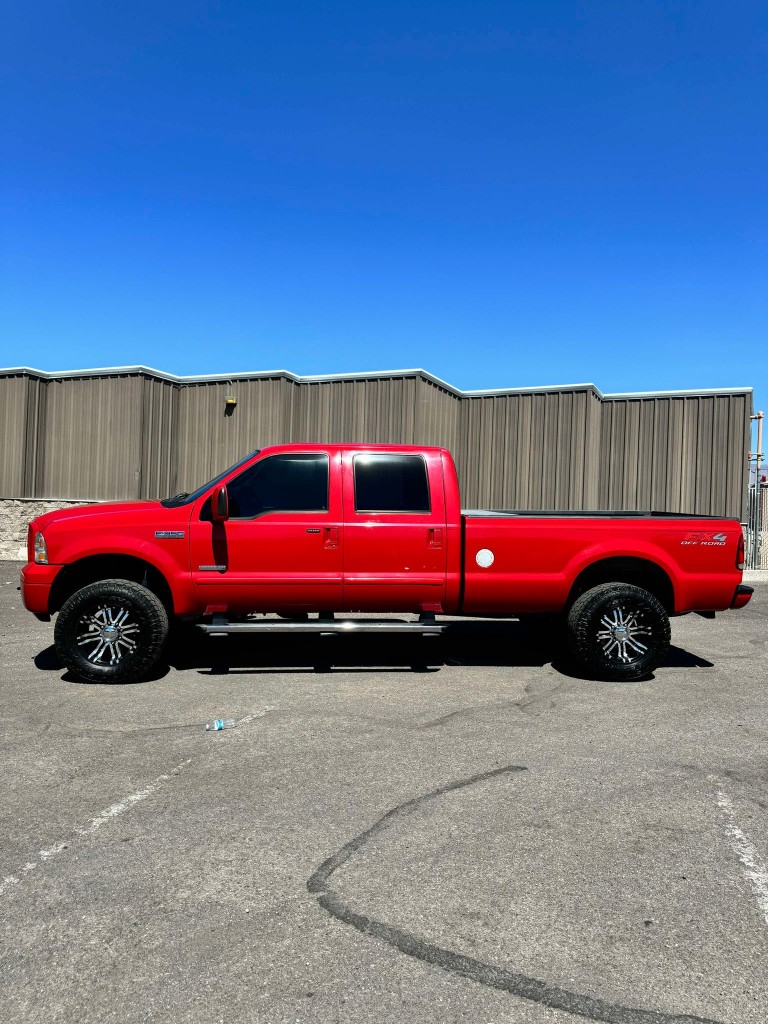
281,548
394,531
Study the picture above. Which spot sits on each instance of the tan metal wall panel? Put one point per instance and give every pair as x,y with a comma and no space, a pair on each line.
510,476
159,451
195,414
606,456
660,416
629,446
670,499
726,485
740,440
704,461
518,452
575,459
688,468
478,438
209,440
375,411
592,451
90,445
37,400
634,439
436,416
13,434
528,451
566,449
567,457
677,454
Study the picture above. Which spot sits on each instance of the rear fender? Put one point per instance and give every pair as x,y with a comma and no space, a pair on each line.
641,551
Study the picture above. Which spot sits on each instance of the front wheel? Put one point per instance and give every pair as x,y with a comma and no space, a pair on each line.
112,631
617,631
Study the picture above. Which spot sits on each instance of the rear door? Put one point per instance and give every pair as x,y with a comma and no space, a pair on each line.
281,548
394,531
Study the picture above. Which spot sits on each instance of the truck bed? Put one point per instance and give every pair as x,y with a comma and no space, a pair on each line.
530,513
528,560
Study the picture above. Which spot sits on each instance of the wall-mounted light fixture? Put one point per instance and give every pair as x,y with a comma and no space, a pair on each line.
229,405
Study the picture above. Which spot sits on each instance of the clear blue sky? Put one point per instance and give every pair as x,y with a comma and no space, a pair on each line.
510,193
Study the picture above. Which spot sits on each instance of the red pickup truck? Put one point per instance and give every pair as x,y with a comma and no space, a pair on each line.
305,528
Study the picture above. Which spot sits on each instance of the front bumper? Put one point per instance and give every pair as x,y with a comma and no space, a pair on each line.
36,583
742,595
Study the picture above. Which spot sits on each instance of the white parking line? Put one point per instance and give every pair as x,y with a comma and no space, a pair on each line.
108,814
754,869
85,830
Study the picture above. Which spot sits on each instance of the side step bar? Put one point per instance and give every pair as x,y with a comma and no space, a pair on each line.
323,627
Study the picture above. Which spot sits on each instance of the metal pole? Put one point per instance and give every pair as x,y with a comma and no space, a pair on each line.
754,516
758,491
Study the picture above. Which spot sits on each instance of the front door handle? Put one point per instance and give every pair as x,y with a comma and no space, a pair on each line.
331,536
434,537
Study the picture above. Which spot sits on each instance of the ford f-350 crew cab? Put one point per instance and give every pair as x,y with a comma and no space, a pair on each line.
302,528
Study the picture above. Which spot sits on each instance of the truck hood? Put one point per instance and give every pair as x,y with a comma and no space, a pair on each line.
130,509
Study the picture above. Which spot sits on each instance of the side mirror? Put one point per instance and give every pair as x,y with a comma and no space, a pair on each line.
220,505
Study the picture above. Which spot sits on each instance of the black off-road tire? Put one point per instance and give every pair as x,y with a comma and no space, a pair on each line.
597,643
130,650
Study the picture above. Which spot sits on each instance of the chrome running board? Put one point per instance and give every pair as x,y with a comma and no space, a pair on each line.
323,627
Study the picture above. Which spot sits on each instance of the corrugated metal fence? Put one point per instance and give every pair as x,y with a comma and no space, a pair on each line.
137,434
757,527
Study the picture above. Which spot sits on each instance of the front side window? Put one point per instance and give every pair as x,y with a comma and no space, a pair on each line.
280,483
391,483
185,498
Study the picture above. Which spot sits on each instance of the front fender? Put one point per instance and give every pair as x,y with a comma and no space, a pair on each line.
171,562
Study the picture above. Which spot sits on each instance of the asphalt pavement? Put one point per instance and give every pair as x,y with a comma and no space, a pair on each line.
492,840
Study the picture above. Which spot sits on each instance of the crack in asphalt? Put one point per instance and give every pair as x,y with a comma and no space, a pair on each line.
516,984
526,705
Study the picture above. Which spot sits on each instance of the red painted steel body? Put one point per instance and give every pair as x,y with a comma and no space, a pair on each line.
345,560
537,561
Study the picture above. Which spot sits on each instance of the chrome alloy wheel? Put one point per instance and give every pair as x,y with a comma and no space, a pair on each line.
109,631
619,635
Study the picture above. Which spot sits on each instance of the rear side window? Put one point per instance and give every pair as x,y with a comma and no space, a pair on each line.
391,483
280,483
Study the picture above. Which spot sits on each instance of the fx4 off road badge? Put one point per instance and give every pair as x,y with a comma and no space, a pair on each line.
706,540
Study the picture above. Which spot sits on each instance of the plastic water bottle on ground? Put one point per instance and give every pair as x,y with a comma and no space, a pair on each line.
220,723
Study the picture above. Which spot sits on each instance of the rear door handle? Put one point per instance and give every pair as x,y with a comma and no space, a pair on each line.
434,537
331,536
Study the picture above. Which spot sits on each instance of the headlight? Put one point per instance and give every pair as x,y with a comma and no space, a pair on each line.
41,550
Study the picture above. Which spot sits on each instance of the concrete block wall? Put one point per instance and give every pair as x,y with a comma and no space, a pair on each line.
15,517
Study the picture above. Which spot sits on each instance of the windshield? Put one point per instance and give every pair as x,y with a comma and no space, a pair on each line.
187,499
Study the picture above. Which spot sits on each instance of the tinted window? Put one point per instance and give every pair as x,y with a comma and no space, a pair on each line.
391,483
280,483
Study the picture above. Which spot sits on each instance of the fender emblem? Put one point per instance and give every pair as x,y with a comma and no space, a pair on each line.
169,534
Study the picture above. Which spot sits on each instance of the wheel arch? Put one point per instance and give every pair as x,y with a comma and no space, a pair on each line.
93,568
640,572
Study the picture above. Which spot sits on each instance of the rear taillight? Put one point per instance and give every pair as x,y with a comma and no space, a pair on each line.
740,556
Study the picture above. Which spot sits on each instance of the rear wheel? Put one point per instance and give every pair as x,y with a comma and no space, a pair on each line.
617,631
112,631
